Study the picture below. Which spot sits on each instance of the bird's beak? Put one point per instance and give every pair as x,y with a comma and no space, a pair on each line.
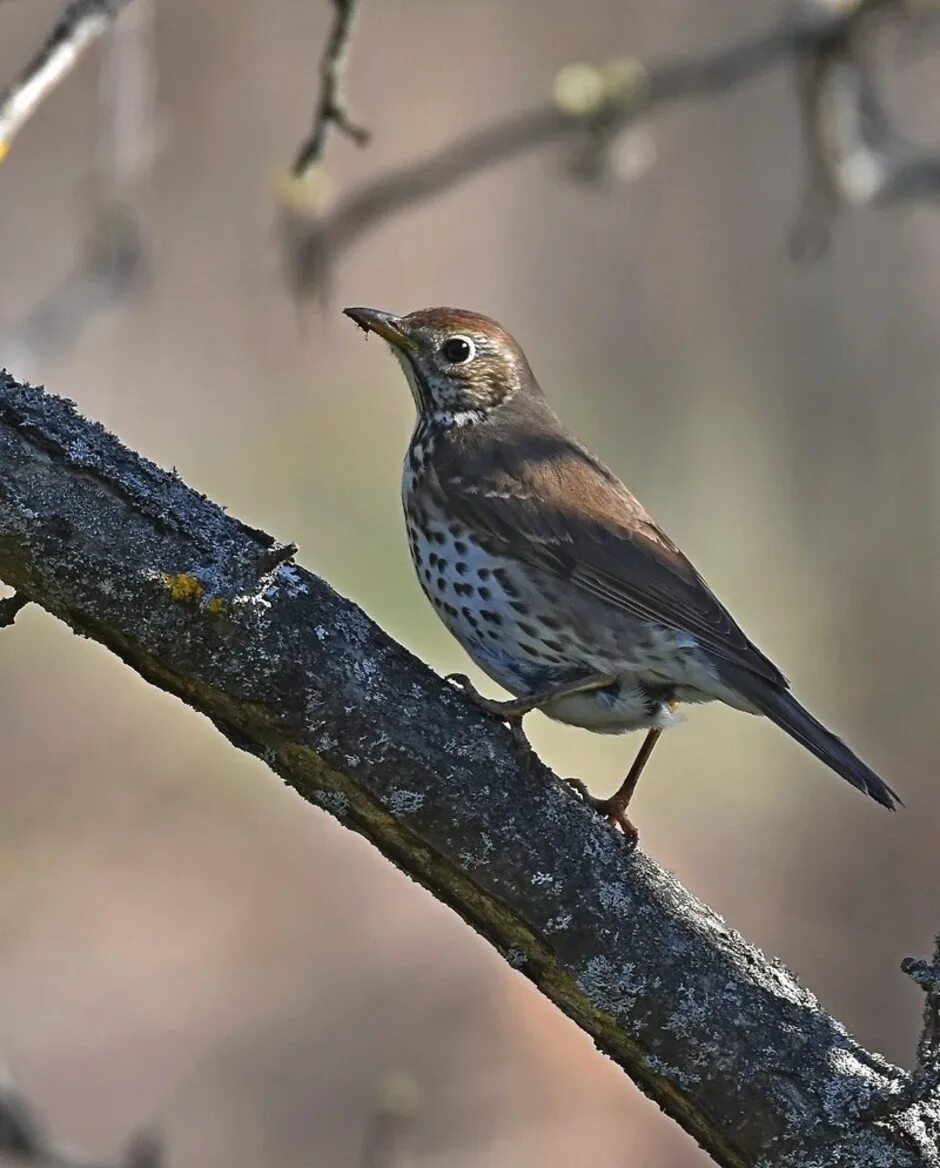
383,324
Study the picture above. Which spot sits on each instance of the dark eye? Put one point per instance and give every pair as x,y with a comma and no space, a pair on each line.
458,350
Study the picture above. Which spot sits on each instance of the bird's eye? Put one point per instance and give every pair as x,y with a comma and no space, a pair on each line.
458,350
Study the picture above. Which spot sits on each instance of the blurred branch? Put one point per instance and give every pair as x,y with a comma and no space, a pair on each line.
113,263
332,111
204,607
10,606
854,155
594,104
24,1140
79,26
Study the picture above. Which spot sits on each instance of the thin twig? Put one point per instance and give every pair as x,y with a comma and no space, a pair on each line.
79,26
854,154
10,607
601,102
114,260
332,110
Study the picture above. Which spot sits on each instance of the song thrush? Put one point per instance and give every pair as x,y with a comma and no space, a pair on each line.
550,573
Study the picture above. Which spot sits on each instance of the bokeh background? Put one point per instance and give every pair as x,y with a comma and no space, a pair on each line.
183,942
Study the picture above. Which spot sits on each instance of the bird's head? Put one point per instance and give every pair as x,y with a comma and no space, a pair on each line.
460,365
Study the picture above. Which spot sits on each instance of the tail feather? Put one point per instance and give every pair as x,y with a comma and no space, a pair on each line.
782,708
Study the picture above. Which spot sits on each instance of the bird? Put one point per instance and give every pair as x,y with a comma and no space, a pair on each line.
549,572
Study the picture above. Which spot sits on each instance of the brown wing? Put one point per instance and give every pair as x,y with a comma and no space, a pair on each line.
547,501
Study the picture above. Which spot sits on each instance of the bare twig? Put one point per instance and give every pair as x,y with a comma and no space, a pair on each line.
10,606
594,104
24,1138
113,262
725,1040
854,155
332,111
79,26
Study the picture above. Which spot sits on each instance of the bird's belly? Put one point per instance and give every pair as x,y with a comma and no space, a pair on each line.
529,632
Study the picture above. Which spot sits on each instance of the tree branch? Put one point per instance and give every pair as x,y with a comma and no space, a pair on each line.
725,1040
332,111
594,104
927,976
10,607
79,26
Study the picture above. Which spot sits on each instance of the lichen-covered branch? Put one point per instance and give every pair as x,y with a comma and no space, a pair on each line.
593,104
332,111
927,976
80,25
10,607
203,606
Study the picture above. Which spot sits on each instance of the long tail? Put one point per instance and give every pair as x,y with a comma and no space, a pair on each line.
781,707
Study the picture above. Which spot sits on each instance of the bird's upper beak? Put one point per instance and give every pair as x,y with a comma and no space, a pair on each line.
384,324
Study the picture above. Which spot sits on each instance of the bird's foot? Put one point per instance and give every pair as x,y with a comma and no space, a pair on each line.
614,810
507,712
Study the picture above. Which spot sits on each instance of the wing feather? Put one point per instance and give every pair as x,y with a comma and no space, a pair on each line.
551,504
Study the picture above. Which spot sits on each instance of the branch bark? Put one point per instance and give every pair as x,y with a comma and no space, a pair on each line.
207,608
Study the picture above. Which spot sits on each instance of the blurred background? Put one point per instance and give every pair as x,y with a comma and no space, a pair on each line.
183,942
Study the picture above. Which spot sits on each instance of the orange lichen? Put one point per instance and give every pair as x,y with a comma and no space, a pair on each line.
183,587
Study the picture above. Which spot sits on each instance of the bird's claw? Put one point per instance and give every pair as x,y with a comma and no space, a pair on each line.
613,810
498,710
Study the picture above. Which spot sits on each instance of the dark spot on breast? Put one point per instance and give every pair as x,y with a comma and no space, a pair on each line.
427,575
460,568
530,649
470,616
441,583
432,559
460,547
439,537
529,630
437,601
455,529
416,556
492,634
548,621
441,564
485,593
484,573
503,577
491,617
557,646
518,606
450,610
463,589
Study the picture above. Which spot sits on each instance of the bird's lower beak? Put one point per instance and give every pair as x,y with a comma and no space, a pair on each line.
384,324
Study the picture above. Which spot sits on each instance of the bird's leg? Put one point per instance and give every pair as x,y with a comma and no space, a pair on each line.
512,712
614,809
